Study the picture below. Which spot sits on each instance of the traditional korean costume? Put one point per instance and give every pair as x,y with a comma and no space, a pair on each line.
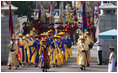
112,62
13,51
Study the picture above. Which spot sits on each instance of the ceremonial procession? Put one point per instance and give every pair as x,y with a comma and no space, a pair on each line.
59,36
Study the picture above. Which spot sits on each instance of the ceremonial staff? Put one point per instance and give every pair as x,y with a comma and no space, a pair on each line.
60,12
68,16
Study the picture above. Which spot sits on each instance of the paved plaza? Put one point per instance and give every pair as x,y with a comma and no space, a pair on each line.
69,66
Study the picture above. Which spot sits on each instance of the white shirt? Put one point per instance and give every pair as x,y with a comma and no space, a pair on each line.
100,44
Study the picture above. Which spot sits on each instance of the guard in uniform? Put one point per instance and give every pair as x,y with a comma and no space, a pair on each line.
13,51
112,61
58,46
35,55
45,60
81,57
21,45
64,46
28,50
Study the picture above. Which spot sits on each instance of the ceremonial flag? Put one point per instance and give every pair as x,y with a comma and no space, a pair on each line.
98,8
29,14
79,4
60,13
10,21
49,9
84,25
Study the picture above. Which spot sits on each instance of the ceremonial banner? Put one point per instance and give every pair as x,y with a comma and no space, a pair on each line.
10,21
84,25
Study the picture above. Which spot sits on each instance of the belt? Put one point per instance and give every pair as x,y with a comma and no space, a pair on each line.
12,50
99,45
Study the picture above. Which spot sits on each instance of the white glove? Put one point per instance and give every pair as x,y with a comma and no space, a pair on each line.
13,52
20,39
37,38
62,52
48,53
11,42
82,48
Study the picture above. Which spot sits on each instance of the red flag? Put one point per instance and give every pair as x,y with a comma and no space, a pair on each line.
67,2
98,8
51,2
49,9
19,54
10,21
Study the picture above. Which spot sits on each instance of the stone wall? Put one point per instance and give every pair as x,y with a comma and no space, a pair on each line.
105,53
5,36
108,22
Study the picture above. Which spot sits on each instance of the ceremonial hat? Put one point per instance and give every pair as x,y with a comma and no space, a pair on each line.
111,47
57,37
44,40
81,38
43,34
24,37
13,38
17,25
62,34
50,31
31,35
37,36
59,27
27,36
65,30
20,35
33,29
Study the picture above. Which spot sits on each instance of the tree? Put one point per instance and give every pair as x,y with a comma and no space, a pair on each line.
22,7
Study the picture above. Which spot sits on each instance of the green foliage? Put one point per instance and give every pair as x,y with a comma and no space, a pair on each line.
22,7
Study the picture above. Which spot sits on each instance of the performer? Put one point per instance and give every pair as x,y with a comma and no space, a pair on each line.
112,61
35,55
69,45
33,31
64,48
88,41
21,45
31,43
13,51
24,50
27,50
81,57
51,50
58,45
45,61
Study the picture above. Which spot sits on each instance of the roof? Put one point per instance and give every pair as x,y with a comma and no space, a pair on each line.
112,32
108,6
6,7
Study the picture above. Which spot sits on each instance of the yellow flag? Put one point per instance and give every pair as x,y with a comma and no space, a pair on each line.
79,4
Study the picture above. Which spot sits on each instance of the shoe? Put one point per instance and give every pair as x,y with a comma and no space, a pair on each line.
10,68
16,68
81,68
22,65
88,65
99,64
35,65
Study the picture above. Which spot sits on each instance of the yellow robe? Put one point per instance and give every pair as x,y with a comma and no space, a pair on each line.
28,51
81,58
66,53
12,59
69,51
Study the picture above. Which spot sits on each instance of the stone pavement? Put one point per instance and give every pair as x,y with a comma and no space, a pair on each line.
69,66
